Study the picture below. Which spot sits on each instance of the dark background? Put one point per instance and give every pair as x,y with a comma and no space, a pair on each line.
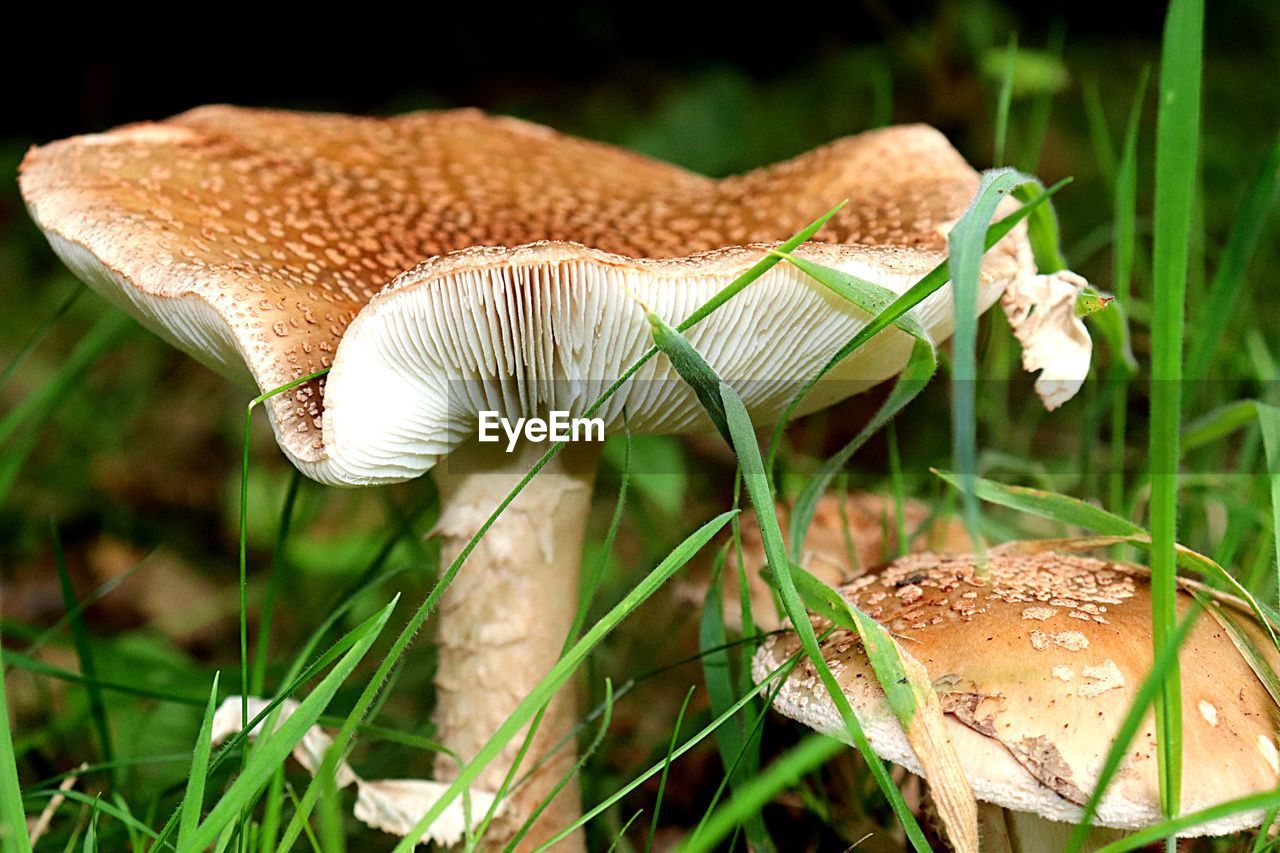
362,59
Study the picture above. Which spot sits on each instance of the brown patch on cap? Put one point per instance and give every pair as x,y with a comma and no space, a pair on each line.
1045,762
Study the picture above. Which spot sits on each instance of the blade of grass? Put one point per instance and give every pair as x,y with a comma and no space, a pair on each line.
1177,133
1042,106
1269,421
1004,100
966,245
1125,195
1246,230
1124,218
1104,153
13,817
717,674
84,653
97,804
106,332
808,755
275,580
753,472
38,335
666,768
781,672
244,541
687,362
193,800
919,369
749,752
91,835
1167,830
588,586
899,500
606,720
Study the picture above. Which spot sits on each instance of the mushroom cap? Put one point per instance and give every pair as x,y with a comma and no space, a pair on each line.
446,262
1035,669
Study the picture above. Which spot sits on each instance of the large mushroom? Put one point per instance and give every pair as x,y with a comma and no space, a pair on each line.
446,263
1036,666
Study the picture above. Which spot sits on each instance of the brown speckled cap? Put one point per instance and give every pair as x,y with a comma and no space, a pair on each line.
1035,669
409,252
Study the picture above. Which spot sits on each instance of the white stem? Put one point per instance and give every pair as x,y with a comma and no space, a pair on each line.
1007,831
503,621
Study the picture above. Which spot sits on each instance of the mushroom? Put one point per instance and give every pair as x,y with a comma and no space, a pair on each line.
1036,667
442,264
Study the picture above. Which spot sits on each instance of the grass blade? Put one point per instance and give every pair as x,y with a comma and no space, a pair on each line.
753,473
810,754
692,369
1005,100
1219,306
84,652
13,817
606,720
731,741
1170,828
1124,242
244,538
966,245
1177,141
1099,136
38,335
920,368
1269,421
193,800
781,672
666,768
108,331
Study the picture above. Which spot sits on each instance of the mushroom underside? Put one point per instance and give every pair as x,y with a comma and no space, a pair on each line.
547,327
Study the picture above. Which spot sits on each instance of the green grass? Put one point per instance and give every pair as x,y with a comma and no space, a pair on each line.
1177,135
101,681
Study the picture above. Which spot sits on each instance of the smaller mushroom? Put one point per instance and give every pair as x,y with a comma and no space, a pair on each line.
1035,667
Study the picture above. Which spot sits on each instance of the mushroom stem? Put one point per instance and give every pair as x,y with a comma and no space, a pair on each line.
503,621
1008,831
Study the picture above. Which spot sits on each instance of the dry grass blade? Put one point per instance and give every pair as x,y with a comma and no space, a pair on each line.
909,691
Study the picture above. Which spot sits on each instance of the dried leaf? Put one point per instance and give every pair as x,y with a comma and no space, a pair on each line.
1042,311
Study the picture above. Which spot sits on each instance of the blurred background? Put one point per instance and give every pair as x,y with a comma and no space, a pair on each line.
126,453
